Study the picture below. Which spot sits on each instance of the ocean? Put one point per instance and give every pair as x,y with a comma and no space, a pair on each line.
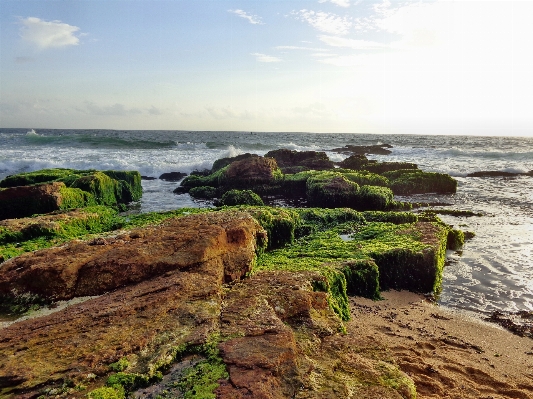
493,271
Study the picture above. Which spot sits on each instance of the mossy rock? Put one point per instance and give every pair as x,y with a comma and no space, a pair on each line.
49,190
338,189
408,256
240,197
39,176
374,198
23,201
383,167
362,278
414,181
206,192
364,178
456,239
331,190
212,180
390,217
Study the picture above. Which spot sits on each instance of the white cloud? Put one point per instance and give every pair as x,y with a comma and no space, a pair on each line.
109,110
265,58
340,3
253,19
48,34
325,22
299,48
355,44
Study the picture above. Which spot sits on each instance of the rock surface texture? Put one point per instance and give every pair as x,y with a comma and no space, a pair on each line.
161,286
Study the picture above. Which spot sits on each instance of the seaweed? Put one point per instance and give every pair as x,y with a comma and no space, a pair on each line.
240,197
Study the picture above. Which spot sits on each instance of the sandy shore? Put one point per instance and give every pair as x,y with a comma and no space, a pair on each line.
448,354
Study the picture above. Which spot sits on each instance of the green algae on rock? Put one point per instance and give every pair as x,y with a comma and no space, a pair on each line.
414,181
49,190
240,197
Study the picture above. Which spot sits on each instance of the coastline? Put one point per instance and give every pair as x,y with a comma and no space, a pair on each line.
448,354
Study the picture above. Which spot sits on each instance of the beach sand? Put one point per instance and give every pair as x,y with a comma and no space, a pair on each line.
448,354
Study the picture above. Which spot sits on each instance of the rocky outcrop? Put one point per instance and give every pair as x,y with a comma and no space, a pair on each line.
378,149
498,173
223,162
290,161
251,171
163,289
102,265
17,202
172,176
50,190
284,342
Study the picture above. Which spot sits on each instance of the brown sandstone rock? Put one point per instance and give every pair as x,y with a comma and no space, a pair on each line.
250,171
291,161
92,268
179,269
284,341
23,201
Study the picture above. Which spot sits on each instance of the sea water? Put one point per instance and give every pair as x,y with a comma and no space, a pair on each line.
493,271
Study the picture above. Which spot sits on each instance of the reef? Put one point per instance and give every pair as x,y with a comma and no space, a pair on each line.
246,301
239,301
356,182
49,190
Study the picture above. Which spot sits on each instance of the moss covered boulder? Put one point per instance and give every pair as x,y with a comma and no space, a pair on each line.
254,172
414,181
240,197
17,202
50,190
291,161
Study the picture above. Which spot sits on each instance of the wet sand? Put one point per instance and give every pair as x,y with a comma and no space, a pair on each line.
447,354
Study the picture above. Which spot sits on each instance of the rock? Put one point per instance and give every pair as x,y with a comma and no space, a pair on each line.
240,197
378,149
291,161
494,173
355,162
251,171
414,181
164,289
284,341
223,162
204,192
148,177
50,190
82,268
17,202
172,176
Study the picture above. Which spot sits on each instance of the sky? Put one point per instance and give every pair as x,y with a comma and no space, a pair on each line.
355,66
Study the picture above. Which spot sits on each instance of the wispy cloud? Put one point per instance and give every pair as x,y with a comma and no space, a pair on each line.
109,110
265,58
253,19
325,22
299,48
355,44
340,3
48,34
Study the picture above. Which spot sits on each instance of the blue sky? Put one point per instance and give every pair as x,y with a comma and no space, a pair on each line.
428,67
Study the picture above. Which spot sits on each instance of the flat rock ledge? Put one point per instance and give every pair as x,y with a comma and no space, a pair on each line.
161,287
179,285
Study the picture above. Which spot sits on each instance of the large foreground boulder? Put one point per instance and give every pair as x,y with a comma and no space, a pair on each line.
162,288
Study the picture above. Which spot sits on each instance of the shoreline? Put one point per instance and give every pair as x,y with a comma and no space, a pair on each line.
448,354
